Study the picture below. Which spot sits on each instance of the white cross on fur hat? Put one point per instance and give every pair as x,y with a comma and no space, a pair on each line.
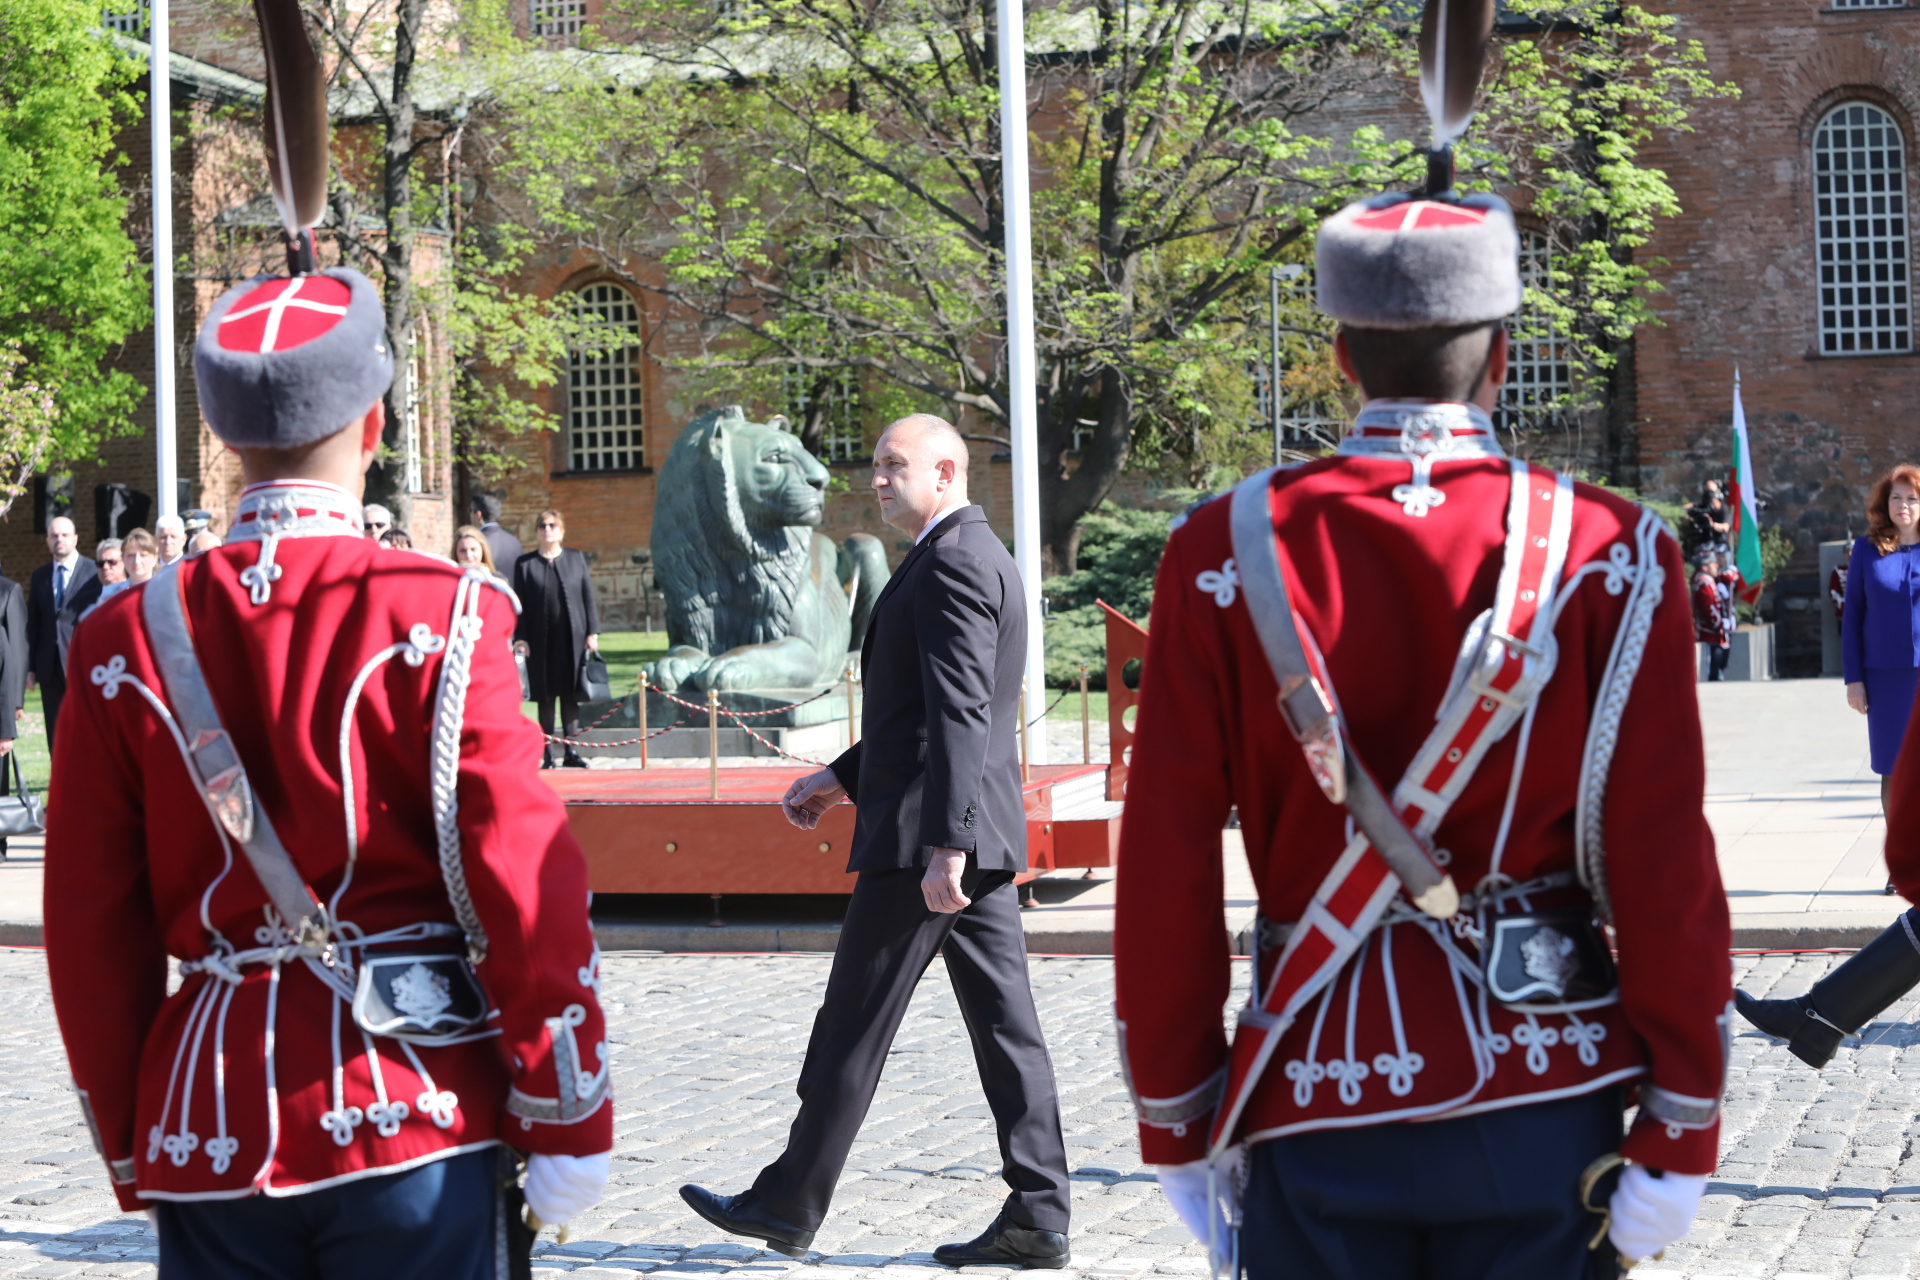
285,362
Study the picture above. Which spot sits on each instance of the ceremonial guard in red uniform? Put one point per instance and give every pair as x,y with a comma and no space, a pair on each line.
1713,619
1446,790
298,764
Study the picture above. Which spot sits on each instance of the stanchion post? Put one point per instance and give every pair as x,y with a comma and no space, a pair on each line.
643,719
1086,725
1026,769
713,745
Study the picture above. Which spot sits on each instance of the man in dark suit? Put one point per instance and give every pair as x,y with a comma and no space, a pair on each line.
57,594
505,547
940,834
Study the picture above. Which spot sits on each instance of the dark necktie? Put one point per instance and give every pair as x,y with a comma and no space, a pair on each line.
59,586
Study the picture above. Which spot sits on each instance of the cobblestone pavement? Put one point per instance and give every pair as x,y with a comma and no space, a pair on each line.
1817,1179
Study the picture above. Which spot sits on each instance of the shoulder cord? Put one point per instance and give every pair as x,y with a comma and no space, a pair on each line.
1610,704
456,674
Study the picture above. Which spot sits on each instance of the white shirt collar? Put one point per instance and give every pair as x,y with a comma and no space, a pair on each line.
71,563
938,516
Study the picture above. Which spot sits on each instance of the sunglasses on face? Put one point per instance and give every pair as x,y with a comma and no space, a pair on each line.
547,524
110,564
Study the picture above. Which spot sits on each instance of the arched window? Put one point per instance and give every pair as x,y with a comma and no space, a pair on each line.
603,383
1860,227
1539,369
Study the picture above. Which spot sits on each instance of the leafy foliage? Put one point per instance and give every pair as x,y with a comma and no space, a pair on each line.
1120,550
826,175
71,286
28,417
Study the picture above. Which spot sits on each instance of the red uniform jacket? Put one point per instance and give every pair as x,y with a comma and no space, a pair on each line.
1401,1033
1708,623
264,1083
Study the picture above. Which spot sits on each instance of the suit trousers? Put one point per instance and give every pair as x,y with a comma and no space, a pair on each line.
442,1221
887,942
51,696
1493,1196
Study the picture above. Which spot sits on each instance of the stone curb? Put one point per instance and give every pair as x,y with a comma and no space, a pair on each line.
614,935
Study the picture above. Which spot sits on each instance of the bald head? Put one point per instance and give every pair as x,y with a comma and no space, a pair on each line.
62,539
919,471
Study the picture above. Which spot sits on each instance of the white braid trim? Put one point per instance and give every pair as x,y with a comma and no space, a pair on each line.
450,708
1610,704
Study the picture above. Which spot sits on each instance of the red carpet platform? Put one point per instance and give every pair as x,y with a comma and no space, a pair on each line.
660,831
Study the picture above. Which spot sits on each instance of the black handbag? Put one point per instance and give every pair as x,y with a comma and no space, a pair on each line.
20,813
595,686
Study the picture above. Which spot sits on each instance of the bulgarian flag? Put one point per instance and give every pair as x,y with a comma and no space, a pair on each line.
1744,538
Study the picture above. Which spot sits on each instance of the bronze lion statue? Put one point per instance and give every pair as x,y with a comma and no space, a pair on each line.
756,596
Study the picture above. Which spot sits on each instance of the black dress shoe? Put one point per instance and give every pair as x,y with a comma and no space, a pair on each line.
1008,1244
573,760
742,1215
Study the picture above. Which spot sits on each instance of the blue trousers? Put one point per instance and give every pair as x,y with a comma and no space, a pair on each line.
441,1221
1486,1197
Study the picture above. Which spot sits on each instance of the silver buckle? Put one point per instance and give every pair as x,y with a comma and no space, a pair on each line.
1499,644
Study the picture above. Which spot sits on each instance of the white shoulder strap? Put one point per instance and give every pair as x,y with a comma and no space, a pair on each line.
214,764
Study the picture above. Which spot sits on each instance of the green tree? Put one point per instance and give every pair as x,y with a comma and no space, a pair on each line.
71,284
416,95
825,177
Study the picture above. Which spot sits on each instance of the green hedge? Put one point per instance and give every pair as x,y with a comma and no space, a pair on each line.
1119,555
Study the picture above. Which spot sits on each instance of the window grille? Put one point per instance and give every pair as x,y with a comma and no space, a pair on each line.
410,469
1860,222
1539,369
842,437
562,18
1869,4
131,21
603,383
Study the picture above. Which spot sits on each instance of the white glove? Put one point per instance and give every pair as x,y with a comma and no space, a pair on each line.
1186,1189
1650,1213
559,1187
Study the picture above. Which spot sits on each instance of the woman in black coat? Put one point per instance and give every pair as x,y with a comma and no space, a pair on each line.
559,623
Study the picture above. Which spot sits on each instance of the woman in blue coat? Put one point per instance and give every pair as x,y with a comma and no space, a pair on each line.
1880,642
1880,626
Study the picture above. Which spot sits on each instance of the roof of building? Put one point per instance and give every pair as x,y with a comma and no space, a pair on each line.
201,79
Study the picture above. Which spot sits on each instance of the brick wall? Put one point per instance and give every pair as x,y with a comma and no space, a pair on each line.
1741,285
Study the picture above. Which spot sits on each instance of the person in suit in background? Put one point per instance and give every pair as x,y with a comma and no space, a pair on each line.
940,834
13,670
486,515
109,562
375,520
559,623
57,594
170,533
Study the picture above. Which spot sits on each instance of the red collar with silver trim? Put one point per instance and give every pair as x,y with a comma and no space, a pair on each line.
295,509
1388,428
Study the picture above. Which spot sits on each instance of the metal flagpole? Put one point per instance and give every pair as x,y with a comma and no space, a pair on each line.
1021,365
1273,366
160,119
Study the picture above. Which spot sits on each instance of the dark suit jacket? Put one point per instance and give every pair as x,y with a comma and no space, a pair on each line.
583,615
938,761
504,546
13,653
48,630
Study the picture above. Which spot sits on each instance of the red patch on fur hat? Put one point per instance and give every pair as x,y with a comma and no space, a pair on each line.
282,314
1420,215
